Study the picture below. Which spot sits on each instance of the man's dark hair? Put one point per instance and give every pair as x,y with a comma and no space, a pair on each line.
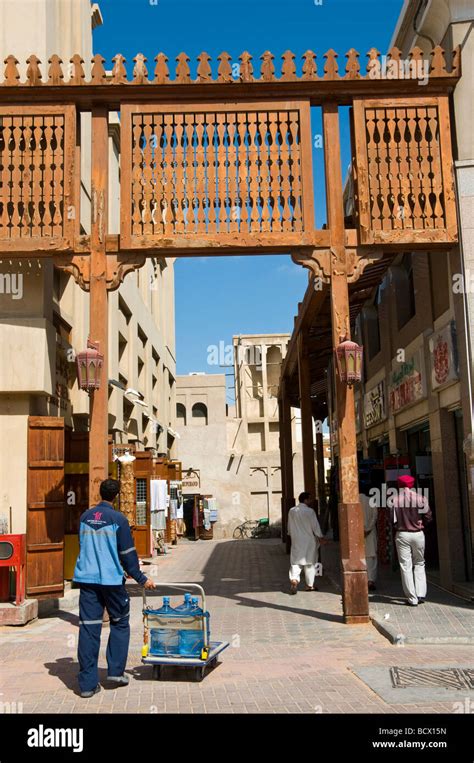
303,497
109,489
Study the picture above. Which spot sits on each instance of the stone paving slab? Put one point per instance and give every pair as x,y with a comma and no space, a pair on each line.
288,654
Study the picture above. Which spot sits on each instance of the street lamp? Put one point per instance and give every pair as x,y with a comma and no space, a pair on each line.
349,362
89,366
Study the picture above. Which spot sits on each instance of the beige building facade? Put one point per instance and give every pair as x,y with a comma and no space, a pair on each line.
232,451
44,315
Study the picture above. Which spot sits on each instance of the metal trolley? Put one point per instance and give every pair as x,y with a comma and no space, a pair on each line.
209,652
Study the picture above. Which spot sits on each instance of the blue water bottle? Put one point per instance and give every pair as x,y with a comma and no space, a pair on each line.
185,607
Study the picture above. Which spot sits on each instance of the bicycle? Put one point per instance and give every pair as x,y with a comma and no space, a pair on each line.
253,528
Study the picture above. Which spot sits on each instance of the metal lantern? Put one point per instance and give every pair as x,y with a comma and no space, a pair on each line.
349,362
89,366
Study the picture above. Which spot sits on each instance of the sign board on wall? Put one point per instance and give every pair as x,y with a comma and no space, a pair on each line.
374,405
407,382
443,356
191,482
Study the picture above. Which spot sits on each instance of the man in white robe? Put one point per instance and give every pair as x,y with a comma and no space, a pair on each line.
370,536
306,536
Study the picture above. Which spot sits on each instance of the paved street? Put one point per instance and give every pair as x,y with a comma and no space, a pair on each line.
287,655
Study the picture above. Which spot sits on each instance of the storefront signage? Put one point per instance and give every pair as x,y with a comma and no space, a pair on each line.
191,481
407,383
443,356
374,405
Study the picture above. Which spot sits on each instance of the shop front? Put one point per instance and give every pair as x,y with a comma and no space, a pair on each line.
408,404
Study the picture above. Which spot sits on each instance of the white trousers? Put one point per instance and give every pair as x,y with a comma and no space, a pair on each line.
309,573
411,556
371,568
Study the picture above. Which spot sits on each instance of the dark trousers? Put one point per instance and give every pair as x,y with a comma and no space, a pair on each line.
92,601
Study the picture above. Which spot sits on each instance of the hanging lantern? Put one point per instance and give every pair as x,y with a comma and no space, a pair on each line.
89,366
349,362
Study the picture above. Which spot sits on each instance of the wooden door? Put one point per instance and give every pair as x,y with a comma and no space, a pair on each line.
142,468
45,507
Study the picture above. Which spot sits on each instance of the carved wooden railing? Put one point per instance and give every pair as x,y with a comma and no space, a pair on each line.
208,174
37,170
241,71
219,158
404,184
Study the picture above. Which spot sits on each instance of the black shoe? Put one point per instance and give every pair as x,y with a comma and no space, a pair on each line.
372,586
421,601
88,694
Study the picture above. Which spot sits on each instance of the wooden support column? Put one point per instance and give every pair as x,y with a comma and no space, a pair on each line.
320,468
351,526
286,448
306,418
98,308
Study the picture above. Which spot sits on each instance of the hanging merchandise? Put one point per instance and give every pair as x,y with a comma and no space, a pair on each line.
212,506
176,496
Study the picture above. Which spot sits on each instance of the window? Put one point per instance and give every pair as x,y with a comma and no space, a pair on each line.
404,289
181,414
199,414
274,361
140,494
124,309
142,336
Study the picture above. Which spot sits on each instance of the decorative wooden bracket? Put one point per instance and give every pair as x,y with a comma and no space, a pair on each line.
117,267
320,261
77,265
316,260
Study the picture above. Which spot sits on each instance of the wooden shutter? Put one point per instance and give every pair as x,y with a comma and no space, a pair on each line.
45,507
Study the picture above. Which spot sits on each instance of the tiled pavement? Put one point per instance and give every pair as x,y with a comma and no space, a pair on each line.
287,654
444,618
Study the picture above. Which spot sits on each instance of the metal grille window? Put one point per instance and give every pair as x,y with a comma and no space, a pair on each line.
141,500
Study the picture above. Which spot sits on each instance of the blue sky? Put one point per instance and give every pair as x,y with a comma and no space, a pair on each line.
222,296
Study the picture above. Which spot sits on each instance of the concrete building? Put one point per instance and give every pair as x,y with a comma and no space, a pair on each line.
232,451
43,327
418,332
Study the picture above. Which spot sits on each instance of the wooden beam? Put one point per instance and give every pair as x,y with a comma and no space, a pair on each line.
318,92
351,526
98,301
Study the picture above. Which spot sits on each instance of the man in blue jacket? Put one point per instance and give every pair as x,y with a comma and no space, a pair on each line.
106,550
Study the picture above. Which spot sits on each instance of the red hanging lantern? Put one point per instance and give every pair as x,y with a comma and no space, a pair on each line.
349,362
89,366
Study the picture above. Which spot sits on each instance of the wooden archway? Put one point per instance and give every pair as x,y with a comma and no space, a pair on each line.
221,164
